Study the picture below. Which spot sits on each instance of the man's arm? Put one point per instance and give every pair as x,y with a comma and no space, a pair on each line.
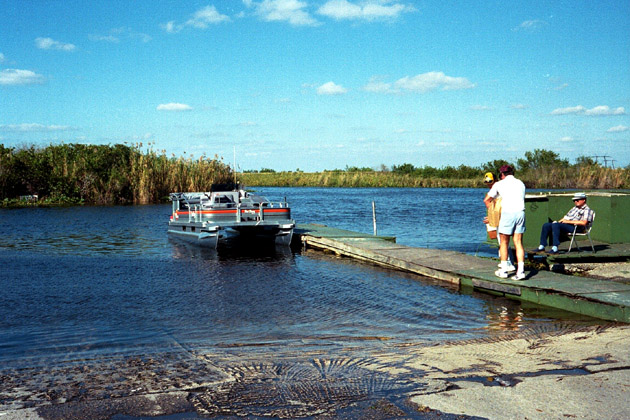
488,200
574,222
583,222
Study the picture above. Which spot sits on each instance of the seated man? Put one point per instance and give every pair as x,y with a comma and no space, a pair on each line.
580,215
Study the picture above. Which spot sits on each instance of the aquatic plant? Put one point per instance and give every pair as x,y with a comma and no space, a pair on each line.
538,169
118,174
103,174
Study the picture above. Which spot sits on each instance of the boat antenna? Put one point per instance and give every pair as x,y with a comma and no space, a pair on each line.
235,165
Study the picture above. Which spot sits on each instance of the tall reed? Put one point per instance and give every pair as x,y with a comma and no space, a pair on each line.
577,176
104,174
351,179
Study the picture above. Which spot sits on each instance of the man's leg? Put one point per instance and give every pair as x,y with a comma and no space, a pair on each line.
520,257
503,248
520,251
558,229
503,252
544,234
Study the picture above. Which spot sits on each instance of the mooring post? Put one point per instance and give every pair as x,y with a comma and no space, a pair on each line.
374,217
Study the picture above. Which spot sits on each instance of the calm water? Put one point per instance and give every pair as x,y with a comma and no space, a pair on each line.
91,282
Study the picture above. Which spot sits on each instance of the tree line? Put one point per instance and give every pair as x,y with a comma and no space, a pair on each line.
122,174
539,168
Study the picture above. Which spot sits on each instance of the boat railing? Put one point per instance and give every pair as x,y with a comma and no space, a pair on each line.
196,214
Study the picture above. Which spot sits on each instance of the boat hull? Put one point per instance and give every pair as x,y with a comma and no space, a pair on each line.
211,236
206,239
208,219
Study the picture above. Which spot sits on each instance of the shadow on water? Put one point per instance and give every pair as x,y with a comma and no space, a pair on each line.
250,249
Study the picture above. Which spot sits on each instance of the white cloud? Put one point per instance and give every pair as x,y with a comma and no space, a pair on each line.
375,85
618,129
481,108
560,87
518,106
171,27
530,25
331,88
201,19
32,127
19,77
421,83
1,57
106,38
51,44
431,81
570,110
605,110
145,136
367,10
116,35
206,16
566,139
173,106
602,110
291,11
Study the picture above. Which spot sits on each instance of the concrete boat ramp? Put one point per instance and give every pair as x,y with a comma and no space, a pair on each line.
604,299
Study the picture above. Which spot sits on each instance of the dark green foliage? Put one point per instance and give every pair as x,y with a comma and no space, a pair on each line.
585,161
447,172
494,166
105,174
102,174
541,158
405,169
357,169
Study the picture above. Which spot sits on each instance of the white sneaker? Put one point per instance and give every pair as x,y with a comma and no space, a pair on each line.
501,273
509,268
519,276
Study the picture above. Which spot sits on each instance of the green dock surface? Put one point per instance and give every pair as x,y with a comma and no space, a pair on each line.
602,299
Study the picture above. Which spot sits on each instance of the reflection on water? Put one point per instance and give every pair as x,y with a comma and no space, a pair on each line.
126,230
506,319
96,282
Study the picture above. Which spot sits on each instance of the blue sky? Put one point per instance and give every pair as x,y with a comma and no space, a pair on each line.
320,84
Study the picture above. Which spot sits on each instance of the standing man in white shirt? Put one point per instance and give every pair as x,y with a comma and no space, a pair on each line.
512,223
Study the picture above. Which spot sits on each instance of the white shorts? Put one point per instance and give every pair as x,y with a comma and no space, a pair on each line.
512,223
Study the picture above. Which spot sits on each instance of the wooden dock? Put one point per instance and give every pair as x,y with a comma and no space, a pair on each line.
602,299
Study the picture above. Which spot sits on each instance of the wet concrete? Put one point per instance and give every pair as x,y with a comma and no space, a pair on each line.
214,387
579,373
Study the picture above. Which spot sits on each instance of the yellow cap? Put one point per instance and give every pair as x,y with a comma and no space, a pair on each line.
488,178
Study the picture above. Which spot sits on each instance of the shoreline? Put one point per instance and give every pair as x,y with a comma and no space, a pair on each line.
583,372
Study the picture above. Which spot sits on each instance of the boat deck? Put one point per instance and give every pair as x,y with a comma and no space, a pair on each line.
603,299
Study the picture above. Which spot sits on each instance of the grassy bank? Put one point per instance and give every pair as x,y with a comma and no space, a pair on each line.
351,179
585,177
97,174
120,174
